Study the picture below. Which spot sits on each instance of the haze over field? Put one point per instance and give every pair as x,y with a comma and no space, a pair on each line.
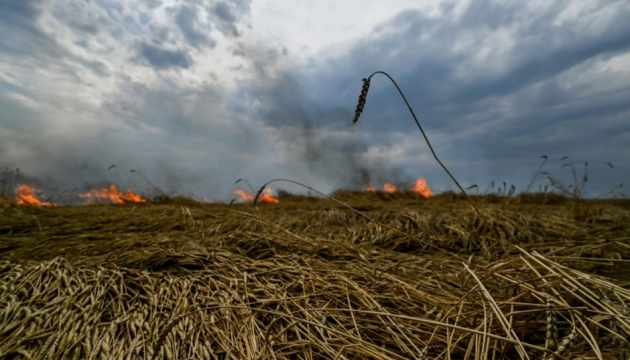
197,94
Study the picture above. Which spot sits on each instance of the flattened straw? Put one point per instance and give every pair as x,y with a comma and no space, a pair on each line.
405,317
430,243
625,344
500,316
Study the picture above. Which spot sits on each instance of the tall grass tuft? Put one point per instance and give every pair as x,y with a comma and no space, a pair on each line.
577,190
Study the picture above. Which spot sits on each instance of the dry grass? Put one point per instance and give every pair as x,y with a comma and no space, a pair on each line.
310,279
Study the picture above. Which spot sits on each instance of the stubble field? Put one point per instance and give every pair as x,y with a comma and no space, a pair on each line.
395,276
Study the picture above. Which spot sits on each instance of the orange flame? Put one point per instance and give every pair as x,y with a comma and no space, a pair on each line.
244,195
389,188
422,188
370,187
112,194
26,196
266,197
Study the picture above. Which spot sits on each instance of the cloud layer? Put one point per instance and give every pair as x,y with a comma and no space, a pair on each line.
190,95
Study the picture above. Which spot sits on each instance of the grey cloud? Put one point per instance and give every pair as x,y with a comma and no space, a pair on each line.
144,18
489,123
238,52
223,12
82,43
152,4
186,20
227,15
22,117
20,29
159,34
98,67
334,158
178,137
90,28
194,144
160,58
512,115
20,12
544,52
113,8
83,17
131,25
232,9
25,39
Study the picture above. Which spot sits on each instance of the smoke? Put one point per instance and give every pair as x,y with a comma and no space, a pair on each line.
321,145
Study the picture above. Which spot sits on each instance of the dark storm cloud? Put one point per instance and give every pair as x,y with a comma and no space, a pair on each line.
162,58
489,116
423,48
187,21
509,113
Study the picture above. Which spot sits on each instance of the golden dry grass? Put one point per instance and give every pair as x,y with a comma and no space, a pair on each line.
398,277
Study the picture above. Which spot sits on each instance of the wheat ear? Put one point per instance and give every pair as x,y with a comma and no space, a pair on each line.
362,99
569,341
551,336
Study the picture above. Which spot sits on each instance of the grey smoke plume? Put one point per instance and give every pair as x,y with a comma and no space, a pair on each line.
320,144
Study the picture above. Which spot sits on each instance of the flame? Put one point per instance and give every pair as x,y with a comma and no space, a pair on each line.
26,196
244,195
370,187
266,197
422,188
112,194
389,188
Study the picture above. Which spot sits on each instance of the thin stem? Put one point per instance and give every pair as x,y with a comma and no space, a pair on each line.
429,143
155,188
127,175
535,175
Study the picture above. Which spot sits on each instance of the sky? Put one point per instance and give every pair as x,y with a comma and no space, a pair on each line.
194,95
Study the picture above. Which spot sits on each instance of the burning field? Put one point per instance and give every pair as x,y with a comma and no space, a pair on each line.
29,195
370,275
